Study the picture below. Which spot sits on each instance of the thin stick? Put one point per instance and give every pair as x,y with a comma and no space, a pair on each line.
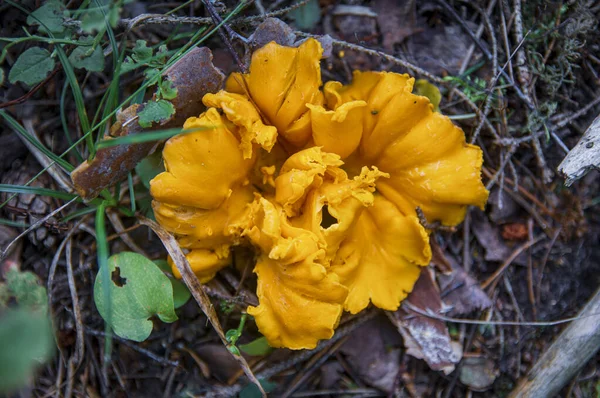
39,222
509,260
79,345
432,315
135,347
48,164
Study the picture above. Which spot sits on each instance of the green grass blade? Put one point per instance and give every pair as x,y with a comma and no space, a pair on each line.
131,192
145,137
16,126
72,79
11,223
78,213
63,120
36,191
102,249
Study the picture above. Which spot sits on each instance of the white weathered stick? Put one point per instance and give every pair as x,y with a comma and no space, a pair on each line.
566,356
584,157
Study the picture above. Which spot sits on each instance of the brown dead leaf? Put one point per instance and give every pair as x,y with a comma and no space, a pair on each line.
478,373
426,338
193,76
490,238
396,20
271,29
369,354
195,287
438,258
461,293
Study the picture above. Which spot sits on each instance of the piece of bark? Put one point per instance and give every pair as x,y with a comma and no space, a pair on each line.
585,156
573,348
424,337
193,76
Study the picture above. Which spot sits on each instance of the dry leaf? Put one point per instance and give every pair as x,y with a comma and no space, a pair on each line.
461,293
368,352
490,239
478,373
426,338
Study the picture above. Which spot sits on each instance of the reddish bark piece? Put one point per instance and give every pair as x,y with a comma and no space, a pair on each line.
514,231
193,76
426,338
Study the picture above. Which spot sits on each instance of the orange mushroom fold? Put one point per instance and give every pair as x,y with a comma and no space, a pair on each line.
322,183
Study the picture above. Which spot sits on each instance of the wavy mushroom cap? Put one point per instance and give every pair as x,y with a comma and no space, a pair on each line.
324,186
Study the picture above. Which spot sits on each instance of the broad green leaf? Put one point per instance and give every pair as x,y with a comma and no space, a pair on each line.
31,67
138,291
161,55
257,347
93,21
150,167
155,111
181,294
307,16
426,89
128,65
26,289
85,58
51,15
26,342
141,52
167,90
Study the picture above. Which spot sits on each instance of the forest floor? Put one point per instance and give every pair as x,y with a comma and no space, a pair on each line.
522,79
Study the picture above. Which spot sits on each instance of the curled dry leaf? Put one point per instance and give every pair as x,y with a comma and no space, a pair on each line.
460,292
373,352
426,338
192,76
197,290
273,29
585,156
478,373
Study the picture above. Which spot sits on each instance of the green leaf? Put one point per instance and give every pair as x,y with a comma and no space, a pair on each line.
257,347
181,294
167,90
26,289
155,111
93,21
252,391
138,291
141,52
128,65
27,342
31,67
426,89
50,17
84,58
307,16
1,76
150,167
161,55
